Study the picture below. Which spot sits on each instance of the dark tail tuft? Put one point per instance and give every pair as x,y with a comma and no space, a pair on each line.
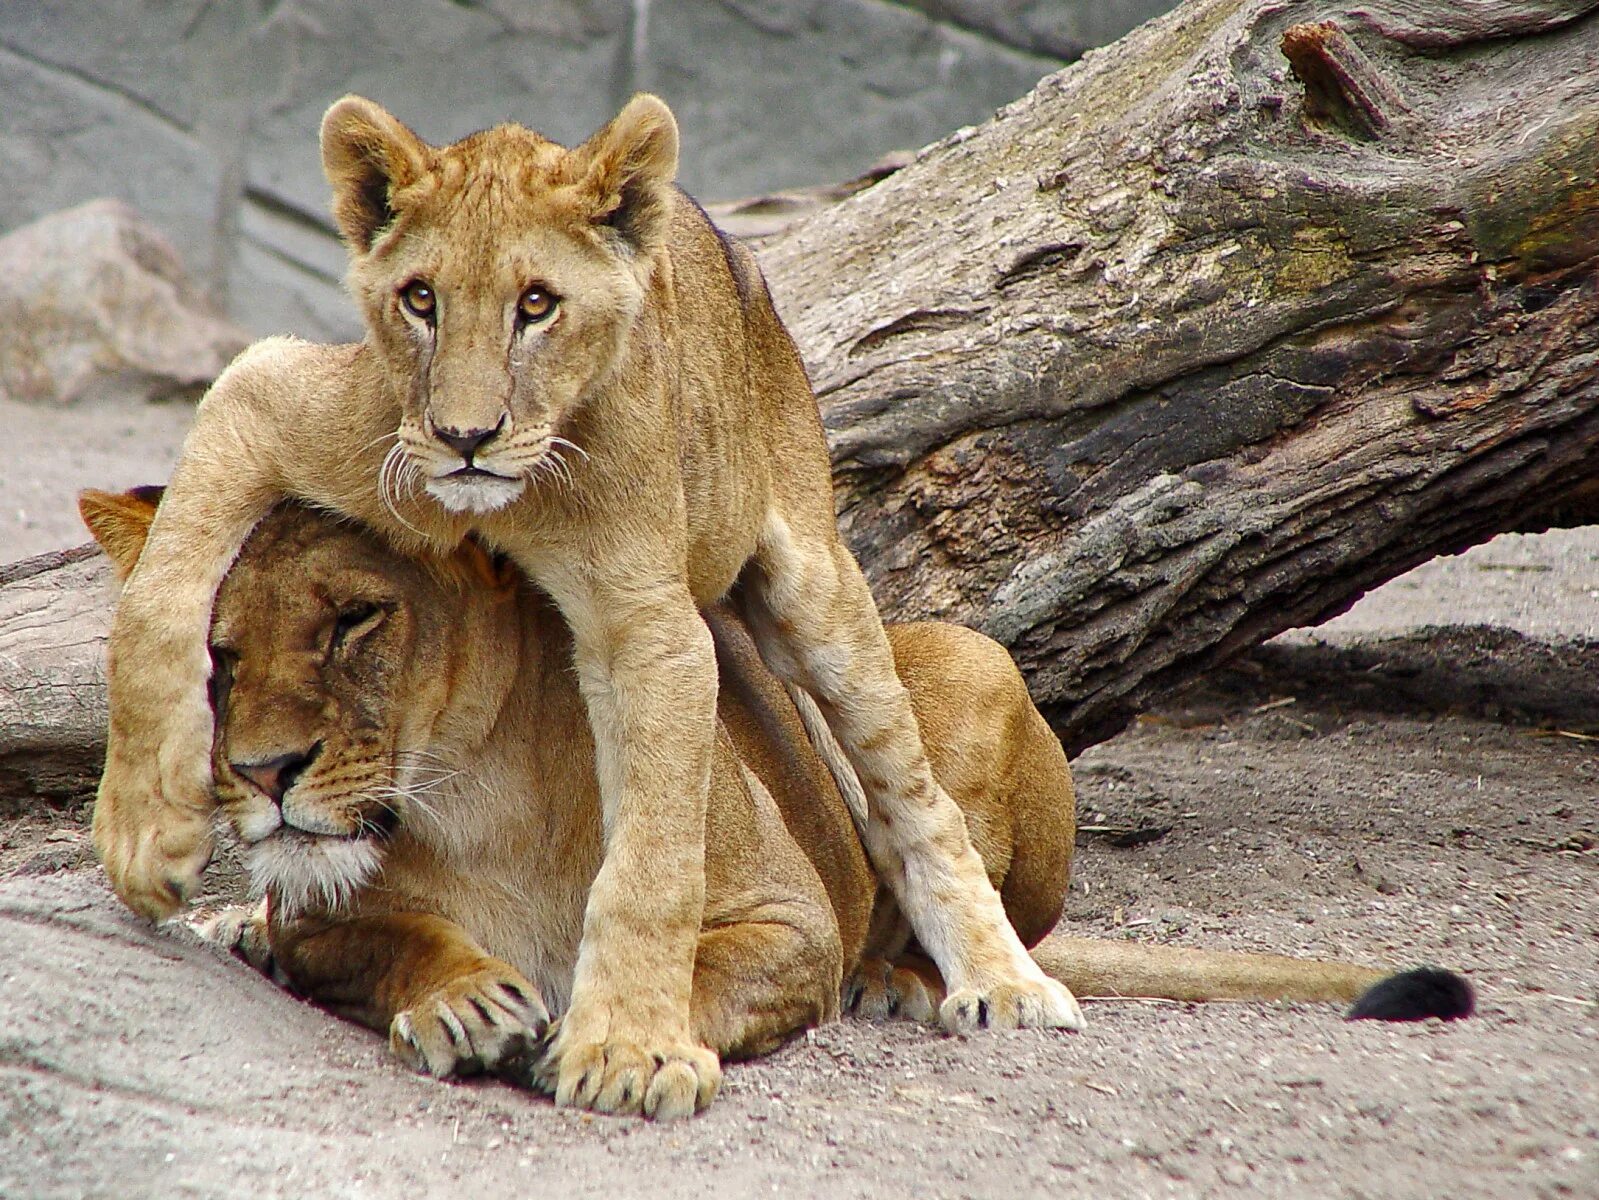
1415,996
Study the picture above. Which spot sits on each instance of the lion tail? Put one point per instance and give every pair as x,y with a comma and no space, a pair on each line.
1128,970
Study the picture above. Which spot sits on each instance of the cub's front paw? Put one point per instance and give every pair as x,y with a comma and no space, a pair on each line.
489,1020
1024,1003
154,862
154,840
661,1078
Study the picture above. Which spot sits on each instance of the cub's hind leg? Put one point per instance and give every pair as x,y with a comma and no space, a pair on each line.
893,979
242,930
818,629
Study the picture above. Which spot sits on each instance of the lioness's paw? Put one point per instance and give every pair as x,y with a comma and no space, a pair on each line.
489,1020
661,1080
1022,1004
240,929
879,990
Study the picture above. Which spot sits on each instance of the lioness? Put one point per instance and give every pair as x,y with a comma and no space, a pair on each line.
401,747
566,359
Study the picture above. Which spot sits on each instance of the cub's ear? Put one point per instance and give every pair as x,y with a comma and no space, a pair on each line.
367,156
120,522
627,170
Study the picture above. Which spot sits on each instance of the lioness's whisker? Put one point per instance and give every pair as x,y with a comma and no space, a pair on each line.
411,475
402,755
423,808
553,465
381,797
559,470
570,445
381,437
432,775
405,792
423,764
412,795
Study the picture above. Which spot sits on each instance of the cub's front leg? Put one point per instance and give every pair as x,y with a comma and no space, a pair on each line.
284,420
152,820
647,673
449,1007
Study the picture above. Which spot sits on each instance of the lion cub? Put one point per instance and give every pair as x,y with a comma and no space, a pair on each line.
564,358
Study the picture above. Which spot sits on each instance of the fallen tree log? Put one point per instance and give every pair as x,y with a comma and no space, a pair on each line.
55,613
1214,331
1200,340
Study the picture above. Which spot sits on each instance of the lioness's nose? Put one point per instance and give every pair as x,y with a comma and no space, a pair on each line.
275,776
467,442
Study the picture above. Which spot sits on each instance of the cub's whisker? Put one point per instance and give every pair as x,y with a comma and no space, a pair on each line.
392,473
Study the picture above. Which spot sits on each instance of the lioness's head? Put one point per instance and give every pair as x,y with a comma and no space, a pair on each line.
338,668
499,277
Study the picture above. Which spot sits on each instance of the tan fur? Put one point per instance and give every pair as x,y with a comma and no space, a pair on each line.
456,712
646,444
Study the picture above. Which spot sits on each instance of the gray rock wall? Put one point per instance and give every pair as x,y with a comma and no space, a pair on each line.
203,116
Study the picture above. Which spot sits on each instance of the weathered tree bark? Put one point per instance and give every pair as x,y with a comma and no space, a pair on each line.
1203,338
55,612
1214,331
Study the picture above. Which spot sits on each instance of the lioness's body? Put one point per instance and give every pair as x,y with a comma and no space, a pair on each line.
447,705
565,359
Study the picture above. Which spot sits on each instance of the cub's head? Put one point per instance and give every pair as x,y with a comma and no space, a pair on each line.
499,277
342,683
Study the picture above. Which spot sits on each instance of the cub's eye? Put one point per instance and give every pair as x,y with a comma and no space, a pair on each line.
536,305
418,299
356,622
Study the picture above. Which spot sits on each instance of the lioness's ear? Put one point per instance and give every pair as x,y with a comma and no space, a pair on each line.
494,571
628,168
367,156
120,522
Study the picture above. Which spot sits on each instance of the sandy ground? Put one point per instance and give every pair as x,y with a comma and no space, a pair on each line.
1314,801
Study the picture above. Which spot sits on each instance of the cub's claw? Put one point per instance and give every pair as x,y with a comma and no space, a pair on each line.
663,1081
489,1020
1022,1004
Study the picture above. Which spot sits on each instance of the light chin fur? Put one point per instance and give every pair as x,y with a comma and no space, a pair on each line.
480,495
297,871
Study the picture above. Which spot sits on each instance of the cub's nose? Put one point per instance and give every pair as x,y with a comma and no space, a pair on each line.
275,776
467,442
